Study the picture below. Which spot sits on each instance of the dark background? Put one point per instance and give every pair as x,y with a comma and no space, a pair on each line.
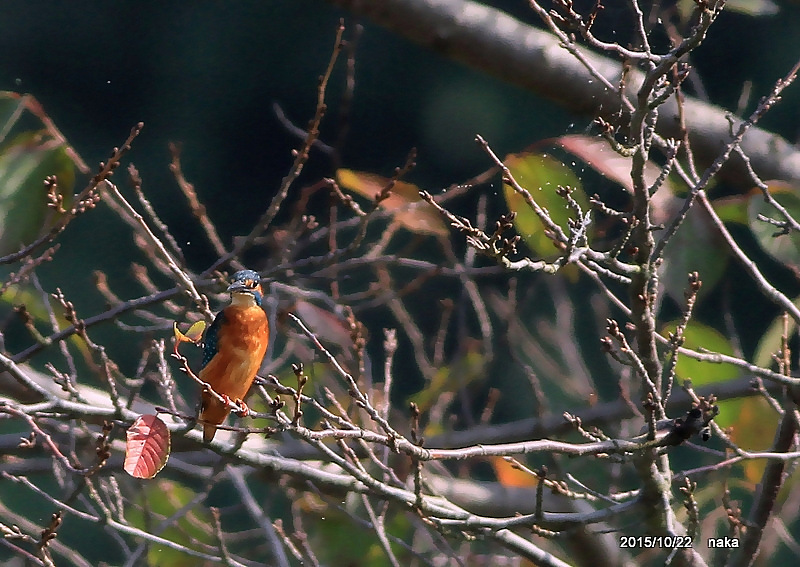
207,73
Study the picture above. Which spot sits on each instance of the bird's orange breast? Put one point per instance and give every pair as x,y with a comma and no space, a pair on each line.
242,341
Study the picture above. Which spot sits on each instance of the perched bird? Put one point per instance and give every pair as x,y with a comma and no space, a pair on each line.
234,347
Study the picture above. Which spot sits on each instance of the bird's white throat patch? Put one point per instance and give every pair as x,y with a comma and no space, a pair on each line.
243,299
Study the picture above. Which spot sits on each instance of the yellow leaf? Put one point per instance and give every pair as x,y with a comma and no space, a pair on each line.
194,335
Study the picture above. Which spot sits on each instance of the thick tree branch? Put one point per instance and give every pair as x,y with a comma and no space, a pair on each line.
493,42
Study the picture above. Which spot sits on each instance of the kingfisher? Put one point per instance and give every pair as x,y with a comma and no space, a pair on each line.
234,347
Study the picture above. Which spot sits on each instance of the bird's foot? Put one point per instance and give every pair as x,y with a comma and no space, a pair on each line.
236,405
241,408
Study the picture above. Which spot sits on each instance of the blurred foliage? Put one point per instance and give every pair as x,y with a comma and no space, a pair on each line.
421,220
27,157
461,373
157,503
697,246
339,544
541,175
700,336
751,420
782,245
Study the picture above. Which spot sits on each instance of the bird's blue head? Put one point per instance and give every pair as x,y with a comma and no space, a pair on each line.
246,283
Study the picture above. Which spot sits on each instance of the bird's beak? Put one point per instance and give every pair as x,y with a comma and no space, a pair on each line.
237,286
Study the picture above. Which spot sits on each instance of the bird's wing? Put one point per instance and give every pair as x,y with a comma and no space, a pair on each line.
211,343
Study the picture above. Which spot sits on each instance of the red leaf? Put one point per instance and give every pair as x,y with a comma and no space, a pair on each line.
326,325
147,449
599,156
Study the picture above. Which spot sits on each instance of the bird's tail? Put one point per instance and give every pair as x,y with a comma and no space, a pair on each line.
212,413
209,430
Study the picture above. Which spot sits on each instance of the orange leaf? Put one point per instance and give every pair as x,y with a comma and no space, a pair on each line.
510,476
369,185
403,200
147,448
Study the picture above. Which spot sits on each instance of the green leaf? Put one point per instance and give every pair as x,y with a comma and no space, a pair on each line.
752,7
699,336
36,308
163,499
339,544
24,165
732,209
467,369
751,419
695,247
770,342
785,248
541,175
